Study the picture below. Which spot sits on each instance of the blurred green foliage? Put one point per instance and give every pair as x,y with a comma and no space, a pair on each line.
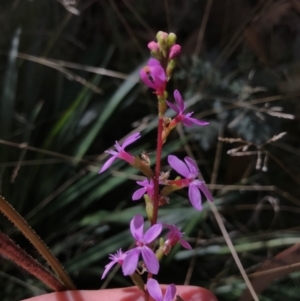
58,119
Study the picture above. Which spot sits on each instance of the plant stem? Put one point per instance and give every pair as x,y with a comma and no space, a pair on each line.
41,247
13,252
157,170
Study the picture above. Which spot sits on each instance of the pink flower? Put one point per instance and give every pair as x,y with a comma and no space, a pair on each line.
142,241
154,76
179,108
174,236
121,153
115,258
174,51
148,187
190,171
156,293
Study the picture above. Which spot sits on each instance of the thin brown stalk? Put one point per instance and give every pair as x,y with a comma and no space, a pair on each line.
221,224
11,251
233,251
203,27
168,14
139,17
52,63
43,151
41,247
126,25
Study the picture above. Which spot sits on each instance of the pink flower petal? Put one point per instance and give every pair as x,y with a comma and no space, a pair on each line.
145,78
206,192
195,197
137,227
154,289
190,121
198,122
179,101
150,260
170,292
130,262
153,62
152,233
186,121
160,74
192,165
112,152
107,268
153,75
138,194
173,107
107,164
185,244
143,183
178,165
132,138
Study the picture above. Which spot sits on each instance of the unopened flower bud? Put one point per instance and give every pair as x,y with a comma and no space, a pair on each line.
153,46
171,39
162,39
174,51
161,35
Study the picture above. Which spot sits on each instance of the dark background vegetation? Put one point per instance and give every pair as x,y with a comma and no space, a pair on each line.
239,70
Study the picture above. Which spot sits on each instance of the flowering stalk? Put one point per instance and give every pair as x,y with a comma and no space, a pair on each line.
156,75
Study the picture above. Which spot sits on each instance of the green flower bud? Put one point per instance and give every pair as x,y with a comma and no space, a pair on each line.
162,39
171,39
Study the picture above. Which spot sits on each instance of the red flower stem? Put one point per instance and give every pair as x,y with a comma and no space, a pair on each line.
157,170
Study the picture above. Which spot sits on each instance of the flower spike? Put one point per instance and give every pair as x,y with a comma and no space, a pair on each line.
121,153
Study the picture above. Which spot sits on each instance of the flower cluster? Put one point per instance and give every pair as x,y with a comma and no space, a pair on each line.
157,186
